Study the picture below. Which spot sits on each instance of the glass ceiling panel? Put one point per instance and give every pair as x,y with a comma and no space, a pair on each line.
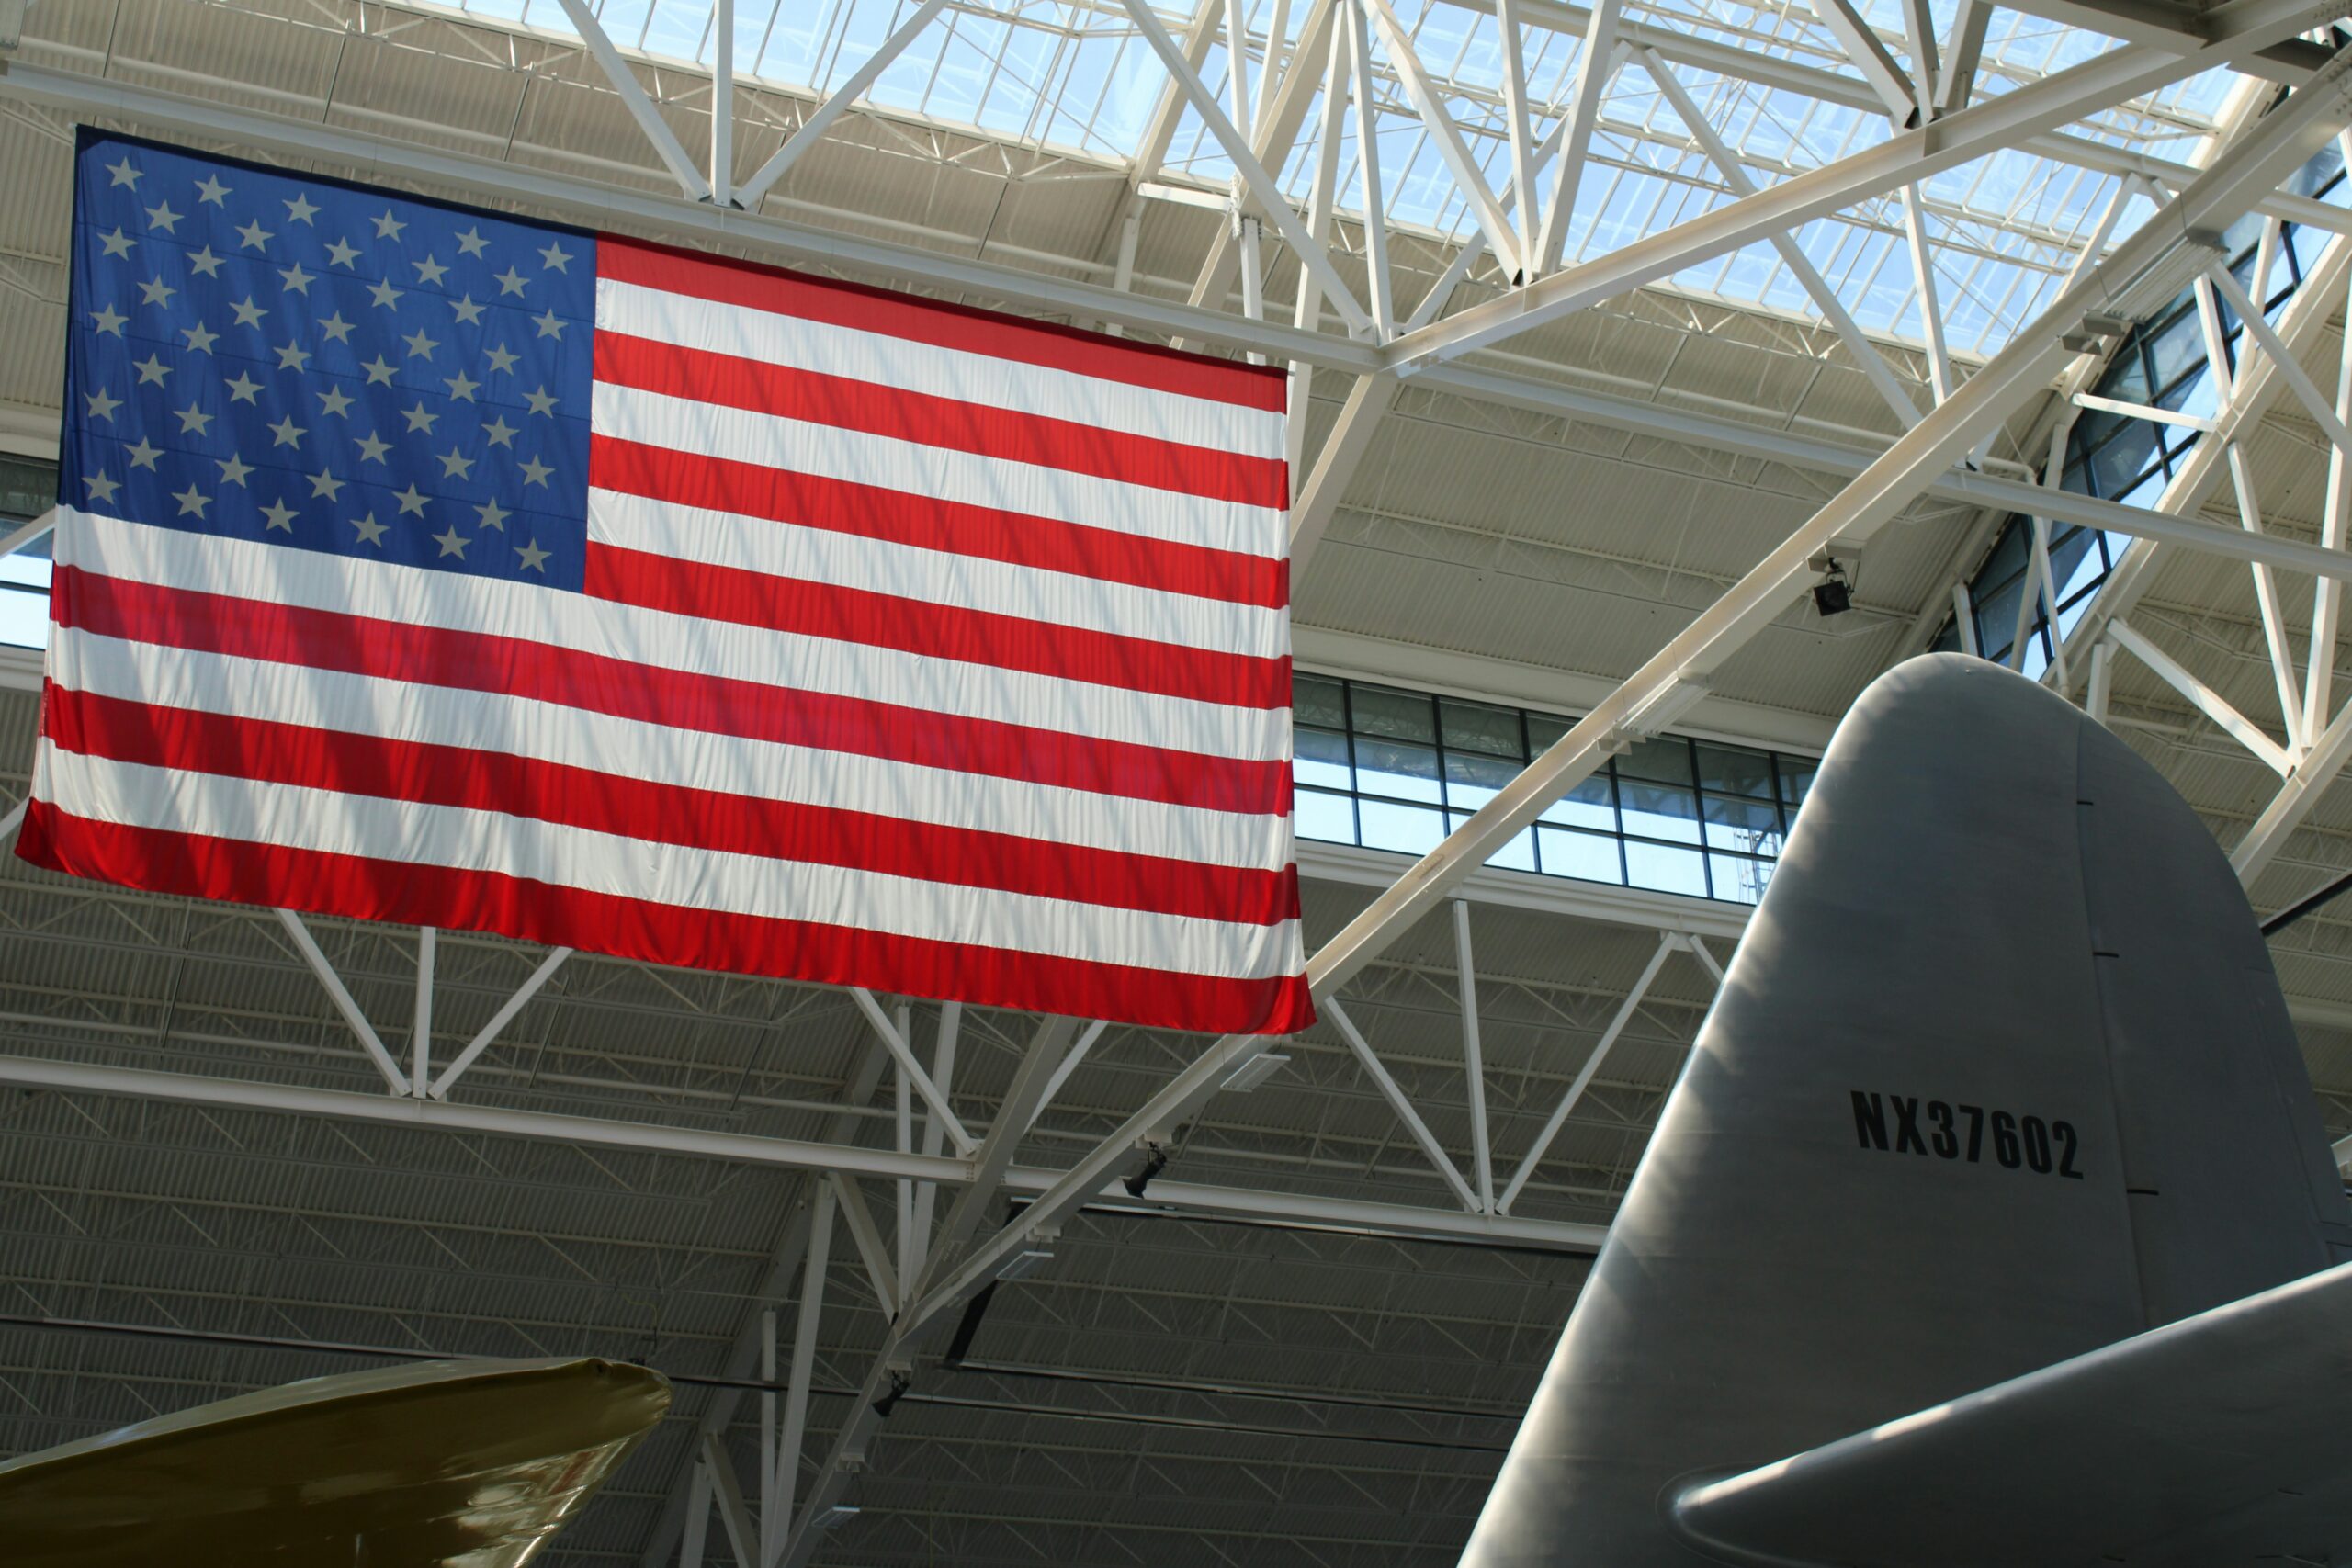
1074,74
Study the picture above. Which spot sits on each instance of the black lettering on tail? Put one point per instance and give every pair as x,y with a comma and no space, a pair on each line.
1870,1120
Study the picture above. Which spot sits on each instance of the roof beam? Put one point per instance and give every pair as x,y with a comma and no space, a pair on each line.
2116,76
2175,27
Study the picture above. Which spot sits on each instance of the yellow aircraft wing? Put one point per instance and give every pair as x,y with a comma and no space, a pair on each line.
467,1464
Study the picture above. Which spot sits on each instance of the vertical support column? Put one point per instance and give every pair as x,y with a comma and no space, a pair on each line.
1473,1064
1923,277
804,1365
2319,671
769,1524
1522,136
722,103
903,1125
1375,209
942,1072
1600,58
420,1041
1963,616
690,1545
2102,680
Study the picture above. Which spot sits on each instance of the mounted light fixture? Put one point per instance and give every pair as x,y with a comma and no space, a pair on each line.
1832,595
1154,1160
890,1396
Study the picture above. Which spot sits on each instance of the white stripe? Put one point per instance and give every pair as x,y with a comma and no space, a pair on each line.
937,473
422,597
934,577
774,338
657,754
288,817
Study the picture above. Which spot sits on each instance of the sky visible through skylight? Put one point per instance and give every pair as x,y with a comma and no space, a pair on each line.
1073,76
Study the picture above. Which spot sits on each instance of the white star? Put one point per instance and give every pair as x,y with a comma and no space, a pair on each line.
502,358
548,326
466,310
252,236
153,368
324,483
455,464
100,405
242,389
124,174
297,281
342,253
142,455
248,314
510,282
336,329
234,469
117,244
211,189
541,402
372,448
155,291
420,418
194,420
288,433
493,516
429,271
101,488
451,545
389,227
108,321
380,374
280,515
536,472
461,387
200,338
301,210
471,243
192,502
334,400
293,356
534,557
419,346
556,258
161,216
384,294
499,432
203,263
371,531
412,502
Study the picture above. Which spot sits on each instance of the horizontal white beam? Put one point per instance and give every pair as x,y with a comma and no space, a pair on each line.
1166,1197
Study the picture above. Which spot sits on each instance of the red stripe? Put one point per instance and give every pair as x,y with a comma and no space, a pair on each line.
983,637
368,889
730,282
838,506
1005,435
272,752
480,662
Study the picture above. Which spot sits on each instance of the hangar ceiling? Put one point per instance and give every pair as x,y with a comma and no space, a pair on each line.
1298,1347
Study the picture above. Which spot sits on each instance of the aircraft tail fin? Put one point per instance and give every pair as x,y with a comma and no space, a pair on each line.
1999,1076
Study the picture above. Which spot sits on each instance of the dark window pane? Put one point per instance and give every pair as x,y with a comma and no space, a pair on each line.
2176,348
1740,881
1331,817
1796,781
1996,617
27,488
1472,780
1658,811
1665,761
1543,730
1589,805
2128,380
1585,855
1405,716
1665,871
1316,699
2117,467
1397,767
1322,757
1474,727
1725,771
1752,827
1408,829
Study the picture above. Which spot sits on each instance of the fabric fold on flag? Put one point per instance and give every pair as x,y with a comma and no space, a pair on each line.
419,563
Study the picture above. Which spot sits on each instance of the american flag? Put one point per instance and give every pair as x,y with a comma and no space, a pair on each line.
417,563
